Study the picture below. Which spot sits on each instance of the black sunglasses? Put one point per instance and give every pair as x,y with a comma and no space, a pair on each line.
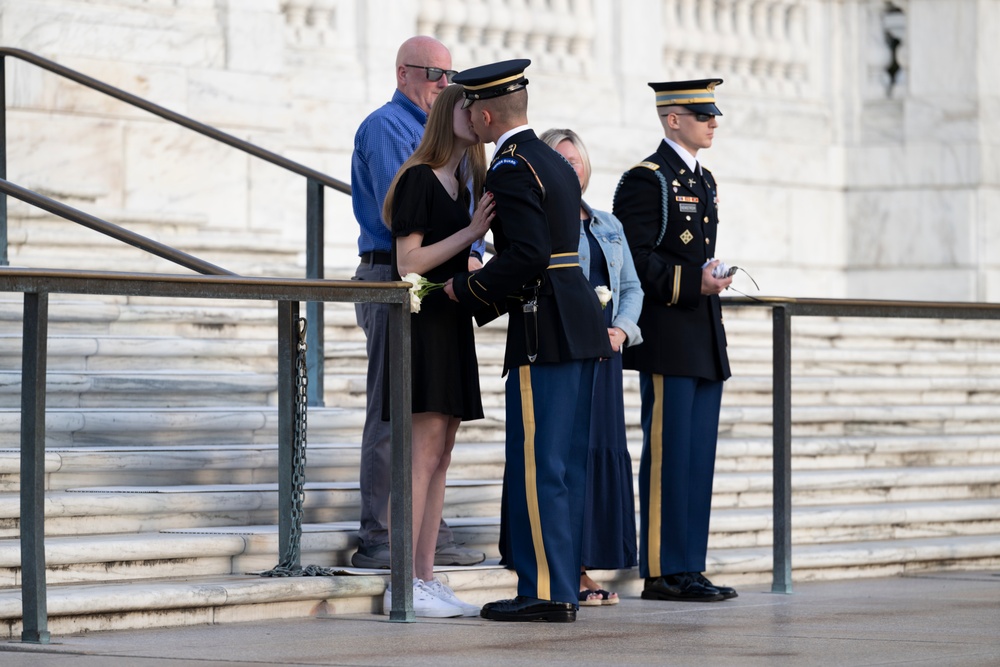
700,117
434,73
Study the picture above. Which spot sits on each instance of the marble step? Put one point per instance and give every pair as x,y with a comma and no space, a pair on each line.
756,361
859,486
68,427
74,608
122,509
348,389
128,354
177,426
133,556
136,316
344,378
339,461
165,465
750,326
242,425
38,239
210,387
828,524
754,324
227,549
154,389
746,327
129,508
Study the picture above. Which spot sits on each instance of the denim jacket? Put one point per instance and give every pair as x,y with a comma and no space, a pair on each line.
627,299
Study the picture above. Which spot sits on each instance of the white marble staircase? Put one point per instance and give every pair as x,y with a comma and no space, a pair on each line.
161,460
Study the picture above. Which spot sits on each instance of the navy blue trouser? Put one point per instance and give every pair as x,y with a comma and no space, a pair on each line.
548,425
680,429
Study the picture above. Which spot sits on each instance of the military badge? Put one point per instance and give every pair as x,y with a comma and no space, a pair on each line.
503,161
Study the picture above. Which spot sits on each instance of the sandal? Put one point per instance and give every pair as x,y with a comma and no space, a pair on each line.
606,597
596,597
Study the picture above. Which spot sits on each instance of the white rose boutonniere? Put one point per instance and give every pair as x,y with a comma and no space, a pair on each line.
603,295
419,288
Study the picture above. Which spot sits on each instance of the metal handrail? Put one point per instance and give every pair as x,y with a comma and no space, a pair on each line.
37,284
315,181
782,311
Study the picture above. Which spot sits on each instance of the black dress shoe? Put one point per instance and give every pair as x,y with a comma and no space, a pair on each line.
679,588
529,609
728,593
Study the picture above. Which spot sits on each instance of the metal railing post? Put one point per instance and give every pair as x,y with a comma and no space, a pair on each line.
34,610
288,315
315,353
4,259
781,579
400,484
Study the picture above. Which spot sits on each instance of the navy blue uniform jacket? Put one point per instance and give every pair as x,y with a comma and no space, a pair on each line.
537,219
686,337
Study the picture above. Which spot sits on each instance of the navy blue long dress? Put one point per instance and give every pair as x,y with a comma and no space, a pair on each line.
609,541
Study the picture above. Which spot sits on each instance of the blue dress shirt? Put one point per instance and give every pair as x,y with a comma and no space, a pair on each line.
383,142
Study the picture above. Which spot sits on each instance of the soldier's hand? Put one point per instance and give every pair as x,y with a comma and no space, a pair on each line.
709,283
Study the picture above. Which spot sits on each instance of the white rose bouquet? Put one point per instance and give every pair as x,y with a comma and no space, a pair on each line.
419,288
603,295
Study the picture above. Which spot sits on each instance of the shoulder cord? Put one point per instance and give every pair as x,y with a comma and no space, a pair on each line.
663,201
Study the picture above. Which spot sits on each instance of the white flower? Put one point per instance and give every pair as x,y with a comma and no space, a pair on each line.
419,288
603,295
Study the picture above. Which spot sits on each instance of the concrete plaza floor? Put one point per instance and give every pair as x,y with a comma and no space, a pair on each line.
938,619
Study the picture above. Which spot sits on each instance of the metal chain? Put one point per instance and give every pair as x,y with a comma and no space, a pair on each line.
287,568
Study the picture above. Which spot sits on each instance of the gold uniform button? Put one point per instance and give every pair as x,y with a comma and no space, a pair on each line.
707,241
706,218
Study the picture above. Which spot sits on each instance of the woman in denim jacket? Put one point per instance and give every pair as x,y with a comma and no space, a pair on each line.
609,540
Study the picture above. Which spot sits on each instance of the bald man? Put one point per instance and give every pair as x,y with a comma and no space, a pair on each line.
385,139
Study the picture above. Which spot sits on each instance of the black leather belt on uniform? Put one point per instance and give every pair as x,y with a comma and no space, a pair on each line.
376,257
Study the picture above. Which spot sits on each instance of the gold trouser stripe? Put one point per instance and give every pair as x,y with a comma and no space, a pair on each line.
675,297
655,504
531,483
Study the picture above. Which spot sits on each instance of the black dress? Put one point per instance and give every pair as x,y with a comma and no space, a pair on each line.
609,541
444,365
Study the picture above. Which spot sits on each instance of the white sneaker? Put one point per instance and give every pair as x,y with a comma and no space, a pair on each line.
425,603
443,592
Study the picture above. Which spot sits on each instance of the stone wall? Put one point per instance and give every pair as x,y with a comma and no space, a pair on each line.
854,157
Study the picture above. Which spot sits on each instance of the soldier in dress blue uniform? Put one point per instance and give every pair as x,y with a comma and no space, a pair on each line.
555,335
668,206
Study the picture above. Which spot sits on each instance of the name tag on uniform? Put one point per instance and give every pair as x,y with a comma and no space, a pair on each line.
689,208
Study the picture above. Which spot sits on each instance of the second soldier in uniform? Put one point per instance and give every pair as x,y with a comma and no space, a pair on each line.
668,206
